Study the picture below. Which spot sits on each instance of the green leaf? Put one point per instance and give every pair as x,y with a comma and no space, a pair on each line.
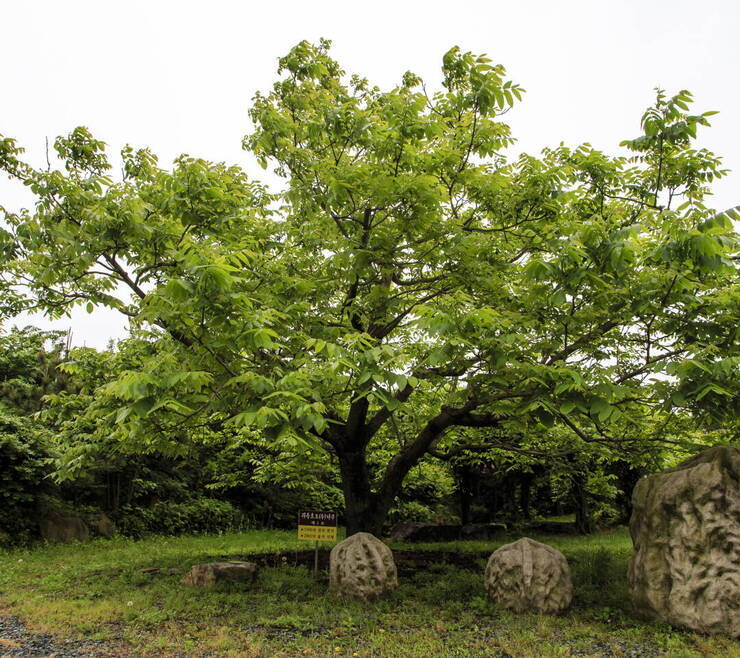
566,407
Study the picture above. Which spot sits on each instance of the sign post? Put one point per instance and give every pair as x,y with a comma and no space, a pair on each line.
317,526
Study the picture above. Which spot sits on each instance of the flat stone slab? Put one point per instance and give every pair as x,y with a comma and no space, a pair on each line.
207,575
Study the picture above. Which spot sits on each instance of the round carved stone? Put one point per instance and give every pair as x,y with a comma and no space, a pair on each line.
685,527
362,567
528,576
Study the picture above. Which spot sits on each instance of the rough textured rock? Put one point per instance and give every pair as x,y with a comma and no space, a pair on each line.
100,525
362,567
59,527
528,576
685,528
207,575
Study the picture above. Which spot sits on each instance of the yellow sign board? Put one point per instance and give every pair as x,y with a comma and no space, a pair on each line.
317,526
317,533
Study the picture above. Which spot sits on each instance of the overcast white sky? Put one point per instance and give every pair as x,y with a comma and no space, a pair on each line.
178,76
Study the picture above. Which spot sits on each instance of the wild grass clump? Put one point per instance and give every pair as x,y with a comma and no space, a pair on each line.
443,583
295,583
600,578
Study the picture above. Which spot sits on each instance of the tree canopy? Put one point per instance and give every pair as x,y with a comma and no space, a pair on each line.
412,289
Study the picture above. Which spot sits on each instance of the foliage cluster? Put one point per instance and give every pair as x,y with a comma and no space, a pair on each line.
24,457
57,458
54,455
199,515
412,293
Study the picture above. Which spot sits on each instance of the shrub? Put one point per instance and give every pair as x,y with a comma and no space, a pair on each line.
199,515
297,583
23,469
600,577
411,511
444,583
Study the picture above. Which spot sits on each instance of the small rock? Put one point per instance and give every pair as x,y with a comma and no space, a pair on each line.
362,567
207,575
527,576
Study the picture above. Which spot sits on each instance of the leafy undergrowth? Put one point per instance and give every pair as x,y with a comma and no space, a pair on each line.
100,591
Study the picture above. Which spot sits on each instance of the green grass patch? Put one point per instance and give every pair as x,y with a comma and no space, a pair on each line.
99,590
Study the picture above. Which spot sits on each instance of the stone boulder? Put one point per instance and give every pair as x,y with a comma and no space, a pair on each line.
100,525
362,567
58,527
208,575
685,527
527,576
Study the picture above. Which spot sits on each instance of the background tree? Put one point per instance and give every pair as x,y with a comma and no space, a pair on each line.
28,370
29,360
183,472
58,455
408,281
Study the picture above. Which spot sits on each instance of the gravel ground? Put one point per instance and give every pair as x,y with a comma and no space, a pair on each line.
602,649
17,640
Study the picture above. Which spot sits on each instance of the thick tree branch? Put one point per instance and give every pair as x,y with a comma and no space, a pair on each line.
382,416
411,453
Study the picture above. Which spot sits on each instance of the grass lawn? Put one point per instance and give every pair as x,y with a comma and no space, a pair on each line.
99,591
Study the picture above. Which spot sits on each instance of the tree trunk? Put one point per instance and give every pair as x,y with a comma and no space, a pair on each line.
525,495
366,510
363,510
580,497
628,477
465,488
364,517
